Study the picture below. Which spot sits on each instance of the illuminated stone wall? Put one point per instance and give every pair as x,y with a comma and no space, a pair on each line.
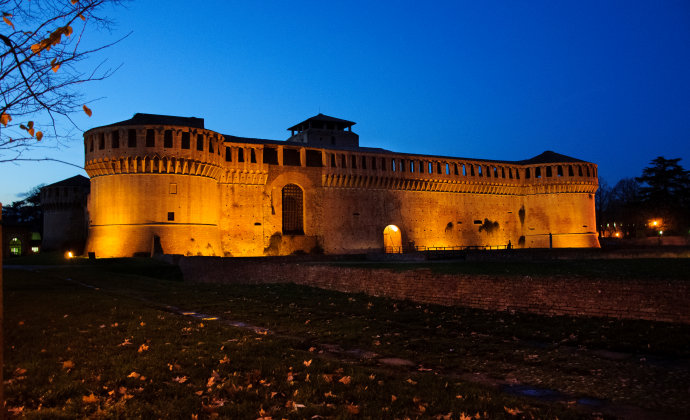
228,196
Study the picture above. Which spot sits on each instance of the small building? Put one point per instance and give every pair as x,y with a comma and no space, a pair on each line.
65,220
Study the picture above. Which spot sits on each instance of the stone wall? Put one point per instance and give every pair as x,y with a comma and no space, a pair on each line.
667,301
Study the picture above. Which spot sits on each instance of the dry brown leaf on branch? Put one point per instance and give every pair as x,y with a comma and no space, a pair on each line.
87,110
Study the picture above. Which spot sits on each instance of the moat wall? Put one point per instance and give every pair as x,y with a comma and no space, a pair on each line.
667,301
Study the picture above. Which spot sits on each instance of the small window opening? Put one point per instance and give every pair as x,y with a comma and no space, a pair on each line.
464,170
455,169
430,168
343,161
471,170
479,170
438,168
252,156
528,173
173,188
314,158
210,148
393,165
402,165
150,138
91,145
537,172
101,141
185,140
115,138
373,163
171,216
570,171
510,173
353,161
559,170
200,142
549,172
167,139
587,170
291,157
228,154
364,162
132,138
447,169
412,166
271,155
332,160
579,170
240,155
383,164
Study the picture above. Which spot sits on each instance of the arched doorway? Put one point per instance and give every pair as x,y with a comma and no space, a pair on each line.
392,240
293,210
15,246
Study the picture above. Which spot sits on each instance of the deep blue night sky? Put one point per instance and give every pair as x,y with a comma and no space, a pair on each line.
605,82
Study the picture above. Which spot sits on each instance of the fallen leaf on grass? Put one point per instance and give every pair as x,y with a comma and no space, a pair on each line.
312,349
512,411
68,364
213,379
224,360
143,348
134,375
328,378
91,399
307,363
125,343
410,381
180,379
19,372
353,409
393,398
345,380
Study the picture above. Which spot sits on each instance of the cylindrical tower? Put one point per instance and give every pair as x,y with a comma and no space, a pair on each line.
154,187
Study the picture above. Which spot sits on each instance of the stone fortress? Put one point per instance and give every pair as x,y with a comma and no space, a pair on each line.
169,184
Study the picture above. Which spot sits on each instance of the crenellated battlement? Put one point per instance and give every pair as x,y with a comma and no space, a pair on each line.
153,149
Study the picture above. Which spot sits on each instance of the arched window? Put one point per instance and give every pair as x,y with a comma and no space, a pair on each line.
293,213
15,246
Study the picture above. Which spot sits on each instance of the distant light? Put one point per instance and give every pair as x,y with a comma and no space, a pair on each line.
661,232
654,223
394,228
69,254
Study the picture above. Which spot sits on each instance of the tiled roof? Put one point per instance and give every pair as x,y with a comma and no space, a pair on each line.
75,181
155,119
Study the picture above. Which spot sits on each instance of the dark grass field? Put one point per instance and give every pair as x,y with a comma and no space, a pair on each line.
118,352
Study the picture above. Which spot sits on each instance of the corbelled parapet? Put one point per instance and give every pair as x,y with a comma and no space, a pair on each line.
154,144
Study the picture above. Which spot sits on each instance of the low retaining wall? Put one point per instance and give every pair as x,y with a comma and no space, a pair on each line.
667,301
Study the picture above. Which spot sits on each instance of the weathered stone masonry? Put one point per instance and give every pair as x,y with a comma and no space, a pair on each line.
199,192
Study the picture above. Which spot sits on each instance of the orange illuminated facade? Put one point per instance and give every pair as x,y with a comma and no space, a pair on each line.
168,182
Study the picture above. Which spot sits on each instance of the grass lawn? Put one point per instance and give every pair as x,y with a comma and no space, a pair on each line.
116,349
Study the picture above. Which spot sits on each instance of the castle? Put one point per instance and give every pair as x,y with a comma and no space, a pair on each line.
169,184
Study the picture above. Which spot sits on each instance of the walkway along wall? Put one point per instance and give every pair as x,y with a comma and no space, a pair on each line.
667,301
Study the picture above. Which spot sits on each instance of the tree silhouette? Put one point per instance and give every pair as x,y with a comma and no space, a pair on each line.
41,44
665,192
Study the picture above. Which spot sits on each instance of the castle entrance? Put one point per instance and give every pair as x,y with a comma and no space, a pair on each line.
392,240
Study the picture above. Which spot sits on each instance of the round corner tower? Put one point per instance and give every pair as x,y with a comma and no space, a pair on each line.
154,184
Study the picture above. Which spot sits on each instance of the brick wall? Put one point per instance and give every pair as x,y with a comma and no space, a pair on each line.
667,301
